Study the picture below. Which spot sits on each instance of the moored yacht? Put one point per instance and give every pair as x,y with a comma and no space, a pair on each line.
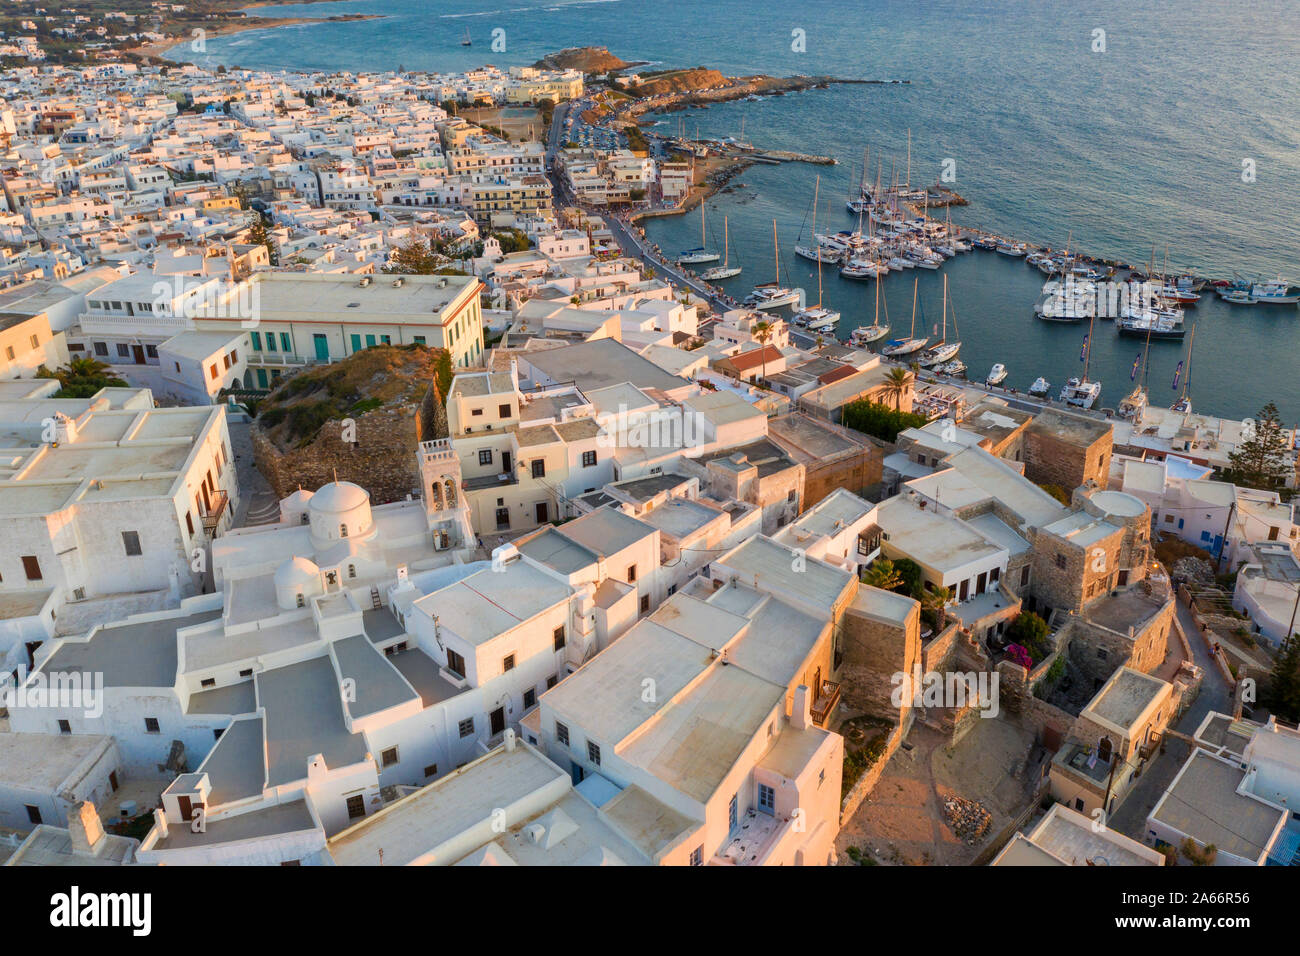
996,374
1080,392
1040,387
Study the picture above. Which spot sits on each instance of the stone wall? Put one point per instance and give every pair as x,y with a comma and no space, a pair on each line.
383,458
874,651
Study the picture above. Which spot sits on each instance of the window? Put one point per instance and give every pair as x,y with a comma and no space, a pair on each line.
552,681
1024,576
122,350
503,411
217,732
31,567
508,664
285,345
562,733
588,459
356,806
101,349
697,856
151,725
419,340
645,603
733,811
455,663
485,456
246,672
208,682
431,770
257,341
1060,560
475,412
558,638
593,753
766,798
503,518
36,343
539,467
631,574
189,522
1169,519
131,541
65,727
212,370
33,813
9,352
466,727
530,698
388,757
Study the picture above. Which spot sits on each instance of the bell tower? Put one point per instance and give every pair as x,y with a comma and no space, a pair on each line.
444,499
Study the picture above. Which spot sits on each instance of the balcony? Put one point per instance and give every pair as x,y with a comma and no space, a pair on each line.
828,696
217,503
489,481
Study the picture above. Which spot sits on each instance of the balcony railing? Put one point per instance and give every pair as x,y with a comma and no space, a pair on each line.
217,503
823,706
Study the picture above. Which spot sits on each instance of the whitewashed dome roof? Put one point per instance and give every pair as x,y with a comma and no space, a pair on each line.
296,574
299,498
339,497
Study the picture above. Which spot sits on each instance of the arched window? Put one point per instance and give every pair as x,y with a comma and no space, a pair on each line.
1104,749
451,493
435,496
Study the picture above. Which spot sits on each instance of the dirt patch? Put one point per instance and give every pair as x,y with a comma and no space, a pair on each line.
903,821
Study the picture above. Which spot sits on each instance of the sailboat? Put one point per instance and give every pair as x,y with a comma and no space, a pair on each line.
817,252
1133,404
699,254
818,318
1080,392
773,295
1184,402
467,41
866,334
910,344
724,271
943,350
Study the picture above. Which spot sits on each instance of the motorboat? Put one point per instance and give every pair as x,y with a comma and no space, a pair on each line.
953,369
1040,387
863,269
866,334
1067,301
1013,249
815,316
1275,293
987,243
770,295
996,374
1081,393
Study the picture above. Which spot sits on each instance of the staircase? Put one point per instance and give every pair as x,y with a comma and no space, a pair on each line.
375,601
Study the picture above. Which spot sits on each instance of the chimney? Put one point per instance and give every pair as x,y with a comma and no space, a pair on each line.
85,829
800,713
509,738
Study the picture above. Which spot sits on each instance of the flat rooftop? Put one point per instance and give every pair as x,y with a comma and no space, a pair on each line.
1125,698
133,654
940,542
288,296
1203,803
44,762
602,363
490,603
1075,429
304,716
1119,612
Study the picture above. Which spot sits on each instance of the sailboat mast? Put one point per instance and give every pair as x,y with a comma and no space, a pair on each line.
913,335
726,242
776,253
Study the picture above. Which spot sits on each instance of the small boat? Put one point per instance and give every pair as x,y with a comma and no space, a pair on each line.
818,253
901,262
467,41
1237,296
1081,393
996,374
953,369
1013,249
1150,323
1040,387
1171,293
987,243
815,316
1132,405
1067,301
943,350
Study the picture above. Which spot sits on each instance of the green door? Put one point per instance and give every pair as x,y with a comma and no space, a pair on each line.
322,347
356,342
370,341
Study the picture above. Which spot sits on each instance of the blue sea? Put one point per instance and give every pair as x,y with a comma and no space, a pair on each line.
1121,128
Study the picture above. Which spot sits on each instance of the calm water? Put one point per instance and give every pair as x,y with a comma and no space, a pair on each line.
1120,151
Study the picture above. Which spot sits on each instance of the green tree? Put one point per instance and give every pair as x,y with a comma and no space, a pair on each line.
444,374
877,420
1261,460
1284,685
762,332
1032,633
82,378
415,257
912,576
259,236
882,574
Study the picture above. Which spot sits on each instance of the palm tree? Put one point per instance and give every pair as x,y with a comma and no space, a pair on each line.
882,574
897,382
936,599
762,332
